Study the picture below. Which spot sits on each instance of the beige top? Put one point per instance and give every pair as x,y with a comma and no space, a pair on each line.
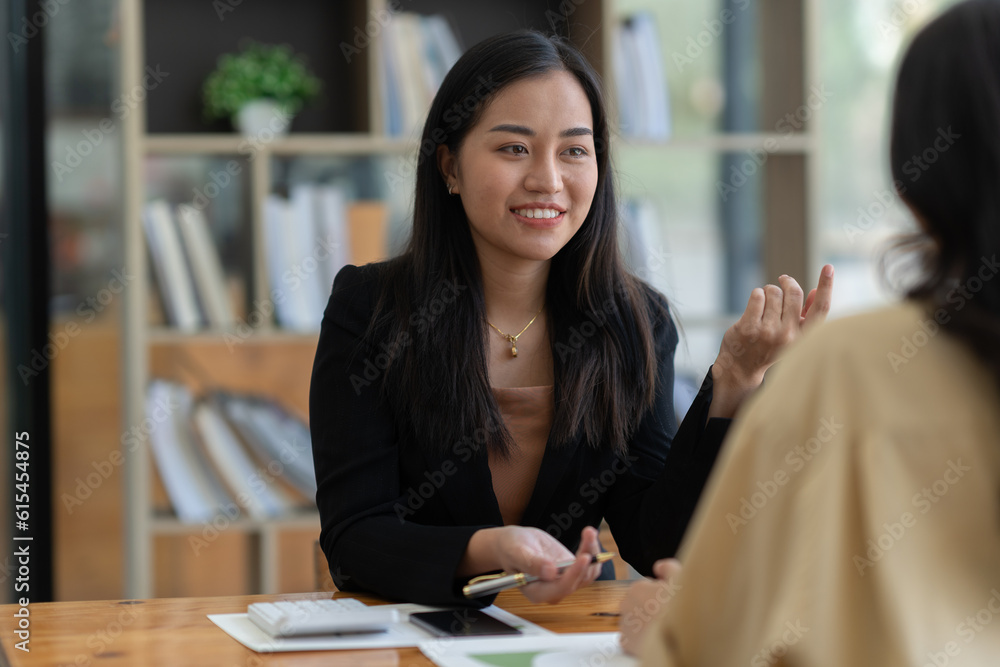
854,515
527,413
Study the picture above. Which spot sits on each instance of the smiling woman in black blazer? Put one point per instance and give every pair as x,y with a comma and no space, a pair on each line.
484,400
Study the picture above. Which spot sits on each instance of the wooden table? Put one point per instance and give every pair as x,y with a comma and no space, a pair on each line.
176,631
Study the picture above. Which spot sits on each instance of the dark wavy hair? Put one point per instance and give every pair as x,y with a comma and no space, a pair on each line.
945,157
438,381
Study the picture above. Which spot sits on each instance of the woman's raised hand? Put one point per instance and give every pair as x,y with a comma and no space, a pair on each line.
775,316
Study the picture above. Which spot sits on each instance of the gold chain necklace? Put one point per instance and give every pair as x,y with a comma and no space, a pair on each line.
512,339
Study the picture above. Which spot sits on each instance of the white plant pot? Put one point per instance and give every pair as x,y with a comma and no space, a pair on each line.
263,119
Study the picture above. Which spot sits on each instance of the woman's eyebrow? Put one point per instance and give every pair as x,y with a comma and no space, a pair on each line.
528,132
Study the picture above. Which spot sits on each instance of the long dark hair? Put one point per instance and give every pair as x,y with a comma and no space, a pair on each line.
432,306
945,155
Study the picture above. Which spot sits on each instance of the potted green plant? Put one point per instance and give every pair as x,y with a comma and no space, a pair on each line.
260,88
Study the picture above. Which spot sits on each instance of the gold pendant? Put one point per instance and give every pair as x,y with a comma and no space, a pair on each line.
512,338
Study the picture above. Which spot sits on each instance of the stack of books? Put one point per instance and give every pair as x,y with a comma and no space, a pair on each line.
417,52
222,449
308,237
188,269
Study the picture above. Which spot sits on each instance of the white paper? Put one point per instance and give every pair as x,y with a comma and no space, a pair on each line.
403,633
554,650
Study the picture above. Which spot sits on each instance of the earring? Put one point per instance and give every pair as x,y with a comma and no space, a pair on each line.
451,186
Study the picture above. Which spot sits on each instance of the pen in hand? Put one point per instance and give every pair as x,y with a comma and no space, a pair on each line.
488,584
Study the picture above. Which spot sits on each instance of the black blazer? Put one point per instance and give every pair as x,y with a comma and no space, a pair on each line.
396,521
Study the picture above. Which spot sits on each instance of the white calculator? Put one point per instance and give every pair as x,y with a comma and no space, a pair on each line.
295,618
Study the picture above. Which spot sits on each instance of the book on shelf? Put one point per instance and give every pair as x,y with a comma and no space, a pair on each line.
442,47
417,52
388,87
305,277
189,274
333,229
275,436
277,218
405,49
296,255
309,237
173,272
247,482
206,267
224,448
641,83
195,491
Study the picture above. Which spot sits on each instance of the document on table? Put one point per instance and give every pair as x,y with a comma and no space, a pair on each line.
403,633
552,650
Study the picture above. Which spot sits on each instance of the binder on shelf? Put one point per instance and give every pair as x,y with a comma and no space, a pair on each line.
298,305
333,229
643,96
206,267
626,78
443,47
307,256
417,52
388,84
247,481
653,84
193,488
309,238
173,273
280,441
404,33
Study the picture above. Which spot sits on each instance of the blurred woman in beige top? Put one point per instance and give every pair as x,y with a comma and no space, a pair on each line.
854,515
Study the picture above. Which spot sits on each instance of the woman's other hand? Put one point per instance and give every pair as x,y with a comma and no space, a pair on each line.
645,599
554,586
534,551
774,317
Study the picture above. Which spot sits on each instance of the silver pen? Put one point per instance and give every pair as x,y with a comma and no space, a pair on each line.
494,583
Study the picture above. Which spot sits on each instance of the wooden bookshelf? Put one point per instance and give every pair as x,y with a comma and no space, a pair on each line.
293,145
346,124
780,144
